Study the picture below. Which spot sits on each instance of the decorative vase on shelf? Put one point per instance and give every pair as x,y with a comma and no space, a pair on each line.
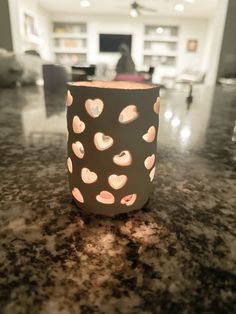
112,136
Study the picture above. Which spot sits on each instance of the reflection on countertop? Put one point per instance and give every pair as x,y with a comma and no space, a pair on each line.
177,255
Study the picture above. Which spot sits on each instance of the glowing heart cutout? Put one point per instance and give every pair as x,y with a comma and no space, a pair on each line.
105,197
150,135
69,99
102,141
117,181
88,176
77,195
69,165
149,161
78,149
129,200
156,106
124,158
78,125
152,174
94,107
128,114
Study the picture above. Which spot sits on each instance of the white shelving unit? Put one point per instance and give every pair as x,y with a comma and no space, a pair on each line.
70,42
160,45
70,50
161,39
162,53
69,35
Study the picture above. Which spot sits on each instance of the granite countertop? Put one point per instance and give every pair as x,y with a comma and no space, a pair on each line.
177,255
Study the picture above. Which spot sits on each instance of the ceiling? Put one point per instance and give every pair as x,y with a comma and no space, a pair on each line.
200,8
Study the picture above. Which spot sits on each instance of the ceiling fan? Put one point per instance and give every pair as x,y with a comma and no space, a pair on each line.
136,9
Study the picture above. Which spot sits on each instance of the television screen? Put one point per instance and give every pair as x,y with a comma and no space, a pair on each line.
112,42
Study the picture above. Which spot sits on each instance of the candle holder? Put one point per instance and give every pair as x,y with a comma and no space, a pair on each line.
112,135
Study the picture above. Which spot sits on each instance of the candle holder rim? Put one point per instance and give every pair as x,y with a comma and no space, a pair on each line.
114,85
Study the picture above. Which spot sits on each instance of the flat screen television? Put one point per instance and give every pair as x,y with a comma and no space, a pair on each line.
112,42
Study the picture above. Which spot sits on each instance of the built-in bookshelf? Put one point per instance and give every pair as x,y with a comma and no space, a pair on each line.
160,45
70,42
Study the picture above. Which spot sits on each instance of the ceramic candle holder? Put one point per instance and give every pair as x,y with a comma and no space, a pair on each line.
112,136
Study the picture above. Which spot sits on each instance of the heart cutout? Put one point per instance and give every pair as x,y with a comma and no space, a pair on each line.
77,195
102,141
69,165
149,161
152,174
128,114
105,197
78,149
129,200
69,99
117,181
156,106
150,135
94,107
124,158
78,125
88,176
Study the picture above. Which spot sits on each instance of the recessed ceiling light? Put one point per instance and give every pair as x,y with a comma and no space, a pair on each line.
190,1
84,3
133,12
179,7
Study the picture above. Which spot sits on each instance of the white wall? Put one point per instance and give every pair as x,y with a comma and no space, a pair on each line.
15,26
214,42
189,28
208,32
108,25
192,29
227,61
42,22
45,27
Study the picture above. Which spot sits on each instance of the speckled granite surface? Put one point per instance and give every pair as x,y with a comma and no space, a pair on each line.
177,255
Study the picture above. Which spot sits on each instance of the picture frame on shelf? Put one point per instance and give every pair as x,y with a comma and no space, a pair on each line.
192,45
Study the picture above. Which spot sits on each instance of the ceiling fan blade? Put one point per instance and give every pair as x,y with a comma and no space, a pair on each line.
144,8
138,8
